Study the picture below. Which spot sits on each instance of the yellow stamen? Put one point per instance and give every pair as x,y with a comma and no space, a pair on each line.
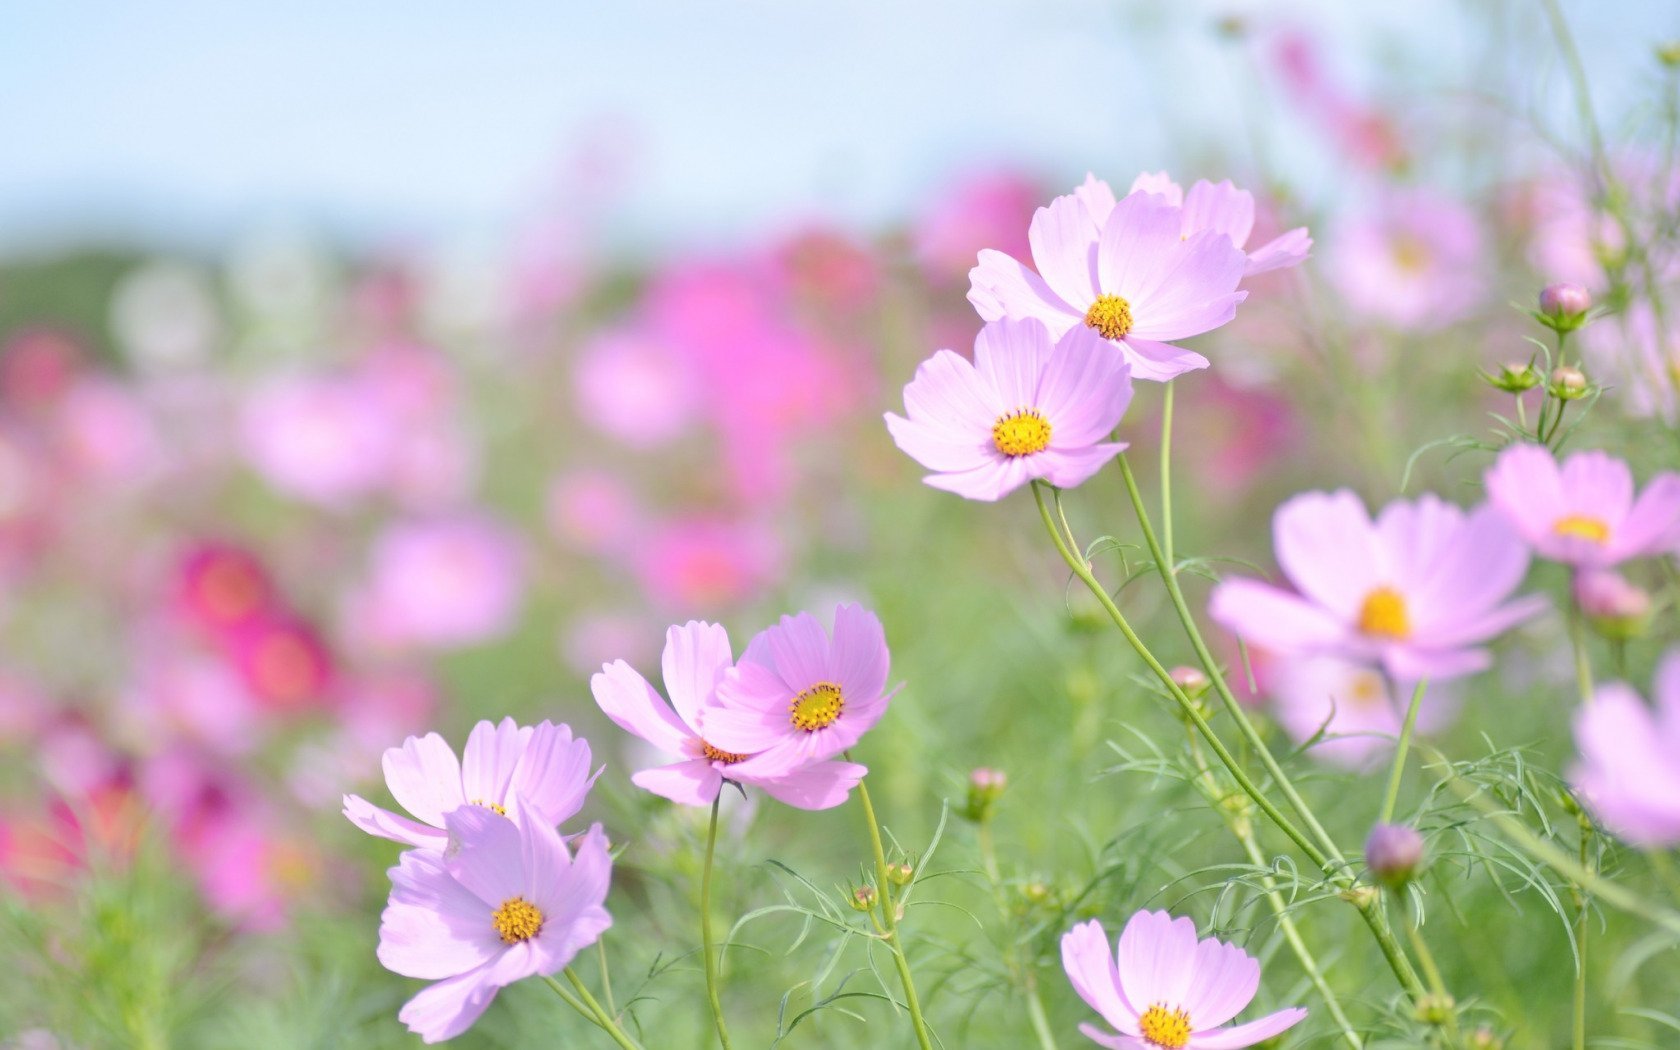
1410,253
517,920
1366,690
1021,434
817,707
1584,527
489,805
1111,316
1384,614
728,758
1166,1028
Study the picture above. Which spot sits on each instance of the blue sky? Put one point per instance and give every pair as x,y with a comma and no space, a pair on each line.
185,120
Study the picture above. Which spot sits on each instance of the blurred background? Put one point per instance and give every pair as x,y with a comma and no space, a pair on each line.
368,369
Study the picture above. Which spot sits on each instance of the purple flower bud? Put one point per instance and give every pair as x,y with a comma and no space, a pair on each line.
1616,608
1191,680
1569,384
1564,300
1393,852
985,786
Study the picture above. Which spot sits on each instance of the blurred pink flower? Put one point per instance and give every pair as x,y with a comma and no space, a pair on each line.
701,564
634,387
106,434
1417,590
1629,773
1638,363
284,663
989,210
1364,135
1348,707
1164,988
1134,278
176,694
825,268
592,510
221,586
1415,259
38,365
509,902
1583,512
697,656
443,582
1025,409
591,638
325,439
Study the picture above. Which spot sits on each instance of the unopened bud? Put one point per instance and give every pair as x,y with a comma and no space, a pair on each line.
1569,384
900,874
1617,609
1435,1009
1393,852
863,898
1669,54
1191,680
1036,892
1485,1038
1564,306
1513,377
985,787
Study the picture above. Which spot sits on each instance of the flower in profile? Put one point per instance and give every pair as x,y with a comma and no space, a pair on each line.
1024,409
1349,712
1415,260
800,695
1135,280
506,901
1417,590
542,764
1583,512
697,656
1217,206
1629,773
1165,989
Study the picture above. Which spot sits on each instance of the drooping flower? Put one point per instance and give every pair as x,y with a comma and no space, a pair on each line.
541,763
1349,711
1216,206
1417,590
800,695
697,656
1164,989
1135,280
1629,773
1026,408
506,902
1583,512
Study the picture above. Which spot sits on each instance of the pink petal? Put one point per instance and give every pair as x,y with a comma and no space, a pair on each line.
1084,389
1328,548
937,447
489,759
387,825
1159,362
1070,468
1141,232
1001,287
948,395
1456,583
1113,1042
486,854
1192,290
751,710
1653,525
1064,249
822,785
631,703
1009,357
1091,969
553,773
1250,1033
424,777
1160,184
1226,979
1412,663
433,926
1157,958
1097,197
990,482
859,657
448,1008
1220,207
1273,618
799,652
691,783
695,659
1288,249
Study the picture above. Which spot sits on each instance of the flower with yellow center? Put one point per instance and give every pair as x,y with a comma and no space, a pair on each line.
491,806
1021,433
1111,316
728,758
1383,614
1165,1028
1583,526
517,920
817,707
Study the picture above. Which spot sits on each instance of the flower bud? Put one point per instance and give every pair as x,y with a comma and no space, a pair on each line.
1393,852
1435,1010
1569,384
1036,892
1485,1038
900,874
863,898
1669,54
1513,377
1191,680
1563,301
985,787
1617,609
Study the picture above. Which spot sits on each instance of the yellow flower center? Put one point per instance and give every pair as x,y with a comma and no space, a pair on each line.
1111,316
1384,614
728,758
817,707
1366,690
1583,527
490,806
1021,434
517,920
1162,1027
1410,253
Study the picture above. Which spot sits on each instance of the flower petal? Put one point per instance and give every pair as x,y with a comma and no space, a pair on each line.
424,777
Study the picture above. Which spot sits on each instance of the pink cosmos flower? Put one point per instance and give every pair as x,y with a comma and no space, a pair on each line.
1364,135
1349,708
697,656
799,695
1584,513
1024,409
1134,278
592,510
324,439
1415,260
1629,773
1165,989
989,209
541,763
1219,207
1416,590
701,562
1638,360
508,901
220,586
283,662
447,581
637,389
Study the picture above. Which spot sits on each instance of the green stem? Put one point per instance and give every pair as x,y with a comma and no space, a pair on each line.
1394,776
1335,870
573,1001
1583,665
606,974
1022,972
1581,915
1432,973
889,921
584,1003
1168,567
706,927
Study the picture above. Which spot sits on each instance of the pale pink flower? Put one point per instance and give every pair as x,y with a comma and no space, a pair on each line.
1216,206
800,695
1414,260
1417,590
703,563
541,763
1349,710
1163,988
1583,512
1363,134
1637,360
990,210
697,656
1629,773
445,581
508,901
592,510
1134,279
325,439
1025,409
634,387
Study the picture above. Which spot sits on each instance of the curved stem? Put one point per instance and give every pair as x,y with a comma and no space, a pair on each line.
1395,774
706,927
585,1003
889,921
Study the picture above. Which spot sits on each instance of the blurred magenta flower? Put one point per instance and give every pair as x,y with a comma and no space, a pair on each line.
284,662
1629,773
443,581
1216,206
1165,989
704,563
1363,134
508,901
541,763
221,586
325,439
1025,409
1133,278
799,695
1348,709
1414,259
1416,590
697,656
1583,512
